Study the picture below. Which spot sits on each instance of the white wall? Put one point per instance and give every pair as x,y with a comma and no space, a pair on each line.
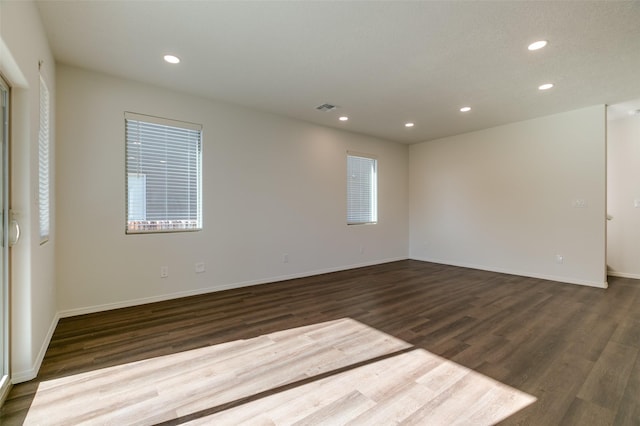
623,189
33,299
501,199
271,186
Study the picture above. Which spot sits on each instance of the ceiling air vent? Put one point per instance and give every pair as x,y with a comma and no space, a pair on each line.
325,107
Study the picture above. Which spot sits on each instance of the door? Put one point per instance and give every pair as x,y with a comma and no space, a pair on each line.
4,238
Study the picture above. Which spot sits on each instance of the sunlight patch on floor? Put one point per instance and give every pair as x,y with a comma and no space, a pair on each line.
416,387
339,371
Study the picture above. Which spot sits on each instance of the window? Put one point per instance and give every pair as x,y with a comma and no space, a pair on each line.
362,189
43,163
164,174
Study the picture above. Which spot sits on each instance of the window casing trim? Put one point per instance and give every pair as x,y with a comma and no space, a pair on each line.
165,224
372,207
162,121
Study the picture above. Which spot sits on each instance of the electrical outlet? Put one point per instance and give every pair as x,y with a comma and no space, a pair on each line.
200,267
164,271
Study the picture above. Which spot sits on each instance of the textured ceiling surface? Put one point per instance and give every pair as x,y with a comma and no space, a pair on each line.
382,63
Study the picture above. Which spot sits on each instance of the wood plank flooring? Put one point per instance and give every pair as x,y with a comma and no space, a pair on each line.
401,343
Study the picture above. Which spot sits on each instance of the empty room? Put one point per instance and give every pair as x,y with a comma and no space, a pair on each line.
319,212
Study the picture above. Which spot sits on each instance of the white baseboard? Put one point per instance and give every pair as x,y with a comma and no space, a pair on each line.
142,301
623,275
519,273
26,375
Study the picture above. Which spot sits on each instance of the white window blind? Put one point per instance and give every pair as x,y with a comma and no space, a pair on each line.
43,163
164,174
362,189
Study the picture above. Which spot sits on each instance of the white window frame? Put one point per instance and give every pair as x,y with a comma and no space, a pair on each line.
362,196
162,149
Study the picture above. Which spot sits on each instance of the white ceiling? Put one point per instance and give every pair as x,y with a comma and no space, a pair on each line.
383,63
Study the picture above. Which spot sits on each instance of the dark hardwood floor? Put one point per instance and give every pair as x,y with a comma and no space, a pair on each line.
575,349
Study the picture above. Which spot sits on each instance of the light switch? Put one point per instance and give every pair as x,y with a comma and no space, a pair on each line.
580,203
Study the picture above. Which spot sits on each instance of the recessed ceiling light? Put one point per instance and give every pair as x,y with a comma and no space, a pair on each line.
545,86
172,59
465,109
343,118
537,45
408,124
634,112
